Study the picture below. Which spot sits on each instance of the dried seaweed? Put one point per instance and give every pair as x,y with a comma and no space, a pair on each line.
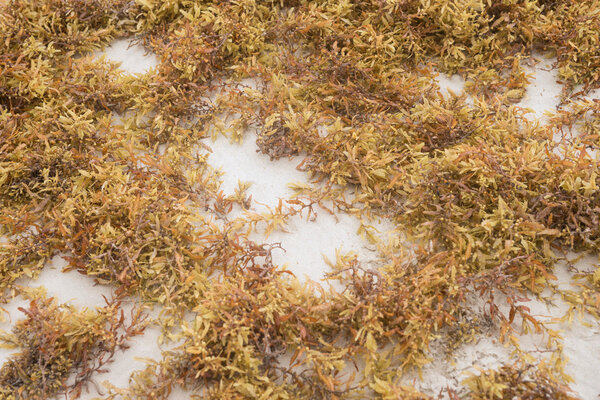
59,342
109,171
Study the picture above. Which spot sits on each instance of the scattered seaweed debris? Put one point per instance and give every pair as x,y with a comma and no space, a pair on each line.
110,170
525,381
58,343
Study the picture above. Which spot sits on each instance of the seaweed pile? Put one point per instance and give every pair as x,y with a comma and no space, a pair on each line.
110,172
